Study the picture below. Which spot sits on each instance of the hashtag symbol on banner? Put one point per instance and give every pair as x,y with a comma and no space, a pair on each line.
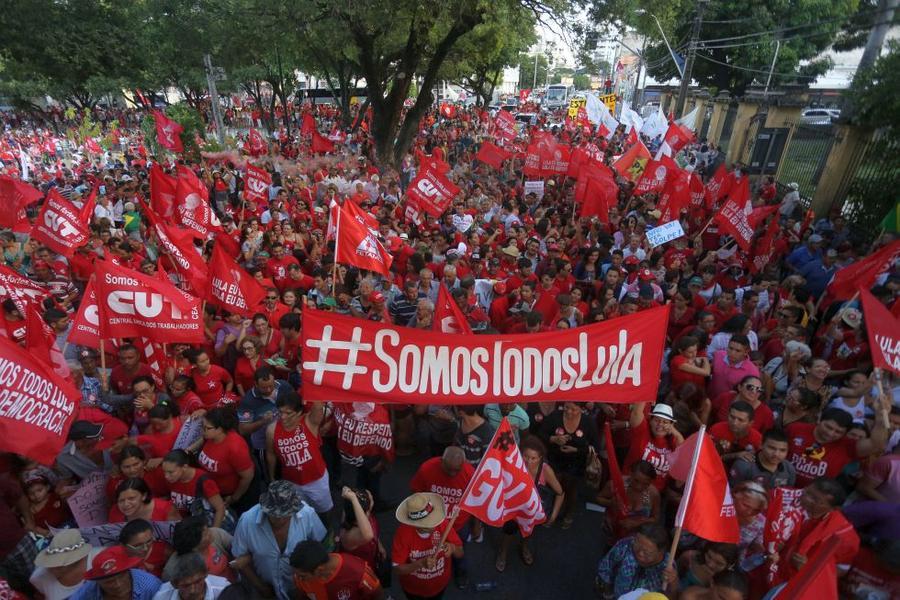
349,368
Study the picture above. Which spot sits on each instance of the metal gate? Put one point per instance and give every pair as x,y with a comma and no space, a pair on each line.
707,117
805,157
870,188
767,150
727,128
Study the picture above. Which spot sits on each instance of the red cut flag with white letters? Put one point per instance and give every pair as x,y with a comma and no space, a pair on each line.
38,406
85,330
256,144
501,488
432,191
132,304
59,225
448,318
706,509
256,184
168,132
884,332
358,246
19,289
232,287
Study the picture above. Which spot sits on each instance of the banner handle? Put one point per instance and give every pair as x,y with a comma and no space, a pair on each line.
686,497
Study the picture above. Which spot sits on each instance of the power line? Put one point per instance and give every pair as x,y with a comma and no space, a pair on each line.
748,69
784,39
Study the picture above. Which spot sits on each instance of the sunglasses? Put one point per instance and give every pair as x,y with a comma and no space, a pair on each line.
753,388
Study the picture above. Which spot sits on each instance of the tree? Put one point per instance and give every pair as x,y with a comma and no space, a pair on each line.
527,78
875,93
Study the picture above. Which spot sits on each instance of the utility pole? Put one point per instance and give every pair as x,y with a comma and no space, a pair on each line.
882,20
689,63
212,74
639,91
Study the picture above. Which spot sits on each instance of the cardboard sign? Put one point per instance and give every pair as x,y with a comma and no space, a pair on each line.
88,504
664,233
190,432
535,186
108,534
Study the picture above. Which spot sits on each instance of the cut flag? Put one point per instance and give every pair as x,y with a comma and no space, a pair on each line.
501,488
257,184
256,144
883,330
15,195
492,155
168,132
631,164
59,225
706,508
356,245
448,318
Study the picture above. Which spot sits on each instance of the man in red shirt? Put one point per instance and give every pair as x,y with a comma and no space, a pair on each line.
421,566
823,450
129,368
653,439
333,576
724,308
446,476
277,266
736,438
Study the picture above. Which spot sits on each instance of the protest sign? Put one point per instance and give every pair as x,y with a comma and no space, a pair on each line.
88,504
190,432
536,187
108,534
664,233
348,359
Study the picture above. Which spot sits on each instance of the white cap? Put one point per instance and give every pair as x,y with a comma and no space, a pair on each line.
663,411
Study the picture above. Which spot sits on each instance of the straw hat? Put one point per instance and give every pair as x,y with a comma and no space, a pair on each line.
66,548
424,510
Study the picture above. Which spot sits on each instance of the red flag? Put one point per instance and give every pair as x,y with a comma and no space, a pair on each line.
85,330
706,507
817,579
41,341
492,155
505,126
863,273
884,332
19,289
764,250
230,286
717,187
357,246
677,137
364,218
631,164
600,194
554,160
192,204
435,163
132,304
308,127
179,245
591,170
162,192
632,137
154,357
59,225
783,516
615,475
256,144
675,197
448,111
257,184
91,145
86,214
333,215
603,130
734,215
501,488
39,407
448,318
758,215
653,179
523,95
15,195
698,192
432,191
168,132
321,144
807,221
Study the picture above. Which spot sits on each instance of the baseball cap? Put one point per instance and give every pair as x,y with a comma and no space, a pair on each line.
112,561
85,430
663,411
631,260
815,239
376,297
695,280
645,274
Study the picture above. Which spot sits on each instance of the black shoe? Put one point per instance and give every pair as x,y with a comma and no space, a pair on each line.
462,580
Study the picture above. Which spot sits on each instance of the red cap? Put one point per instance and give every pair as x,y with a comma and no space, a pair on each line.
40,264
112,561
376,297
500,287
645,274
632,260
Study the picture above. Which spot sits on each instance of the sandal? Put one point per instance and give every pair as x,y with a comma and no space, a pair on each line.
566,523
500,563
527,556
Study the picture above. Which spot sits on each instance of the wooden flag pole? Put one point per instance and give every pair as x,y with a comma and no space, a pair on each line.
686,497
337,236
104,383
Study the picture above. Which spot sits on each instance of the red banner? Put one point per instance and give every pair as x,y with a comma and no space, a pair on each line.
492,155
505,126
162,192
653,179
733,219
863,273
348,359
884,332
179,245
230,286
256,144
58,225
131,304
85,330
432,191
193,207
501,488
19,289
257,184
555,160
15,195
168,132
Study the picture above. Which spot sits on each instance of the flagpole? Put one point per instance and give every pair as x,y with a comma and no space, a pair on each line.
337,236
686,497
103,381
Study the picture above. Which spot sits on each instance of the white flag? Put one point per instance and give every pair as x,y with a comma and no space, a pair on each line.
656,125
690,120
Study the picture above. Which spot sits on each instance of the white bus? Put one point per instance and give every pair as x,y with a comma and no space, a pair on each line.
558,96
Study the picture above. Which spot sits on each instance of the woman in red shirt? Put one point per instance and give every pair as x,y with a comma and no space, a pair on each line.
226,456
182,391
250,360
138,539
134,501
212,381
184,483
688,368
163,431
270,338
133,465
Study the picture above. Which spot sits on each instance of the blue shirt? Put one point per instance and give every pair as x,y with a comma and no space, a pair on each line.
254,536
143,587
801,256
817,276
253,406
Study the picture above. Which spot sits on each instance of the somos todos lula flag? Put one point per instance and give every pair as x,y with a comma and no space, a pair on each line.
350,360
36,406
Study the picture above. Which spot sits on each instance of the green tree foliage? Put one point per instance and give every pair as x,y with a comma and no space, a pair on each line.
875,93
191,122
526,70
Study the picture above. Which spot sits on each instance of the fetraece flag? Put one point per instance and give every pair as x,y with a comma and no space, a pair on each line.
36,406
131,304
432,191
59,225
349,360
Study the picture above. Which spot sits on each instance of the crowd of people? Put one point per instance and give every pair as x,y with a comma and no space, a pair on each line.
274,497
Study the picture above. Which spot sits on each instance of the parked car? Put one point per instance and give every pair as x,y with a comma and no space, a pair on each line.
819,116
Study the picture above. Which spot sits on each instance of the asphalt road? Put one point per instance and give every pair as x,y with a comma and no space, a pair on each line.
565,560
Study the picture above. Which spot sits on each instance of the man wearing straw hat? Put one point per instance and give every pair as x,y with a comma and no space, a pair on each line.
422,544
60,567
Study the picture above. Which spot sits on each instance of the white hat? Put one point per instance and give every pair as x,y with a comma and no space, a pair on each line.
794,186
424,510
663,411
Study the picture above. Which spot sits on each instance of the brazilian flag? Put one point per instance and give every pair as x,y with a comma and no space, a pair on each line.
891,222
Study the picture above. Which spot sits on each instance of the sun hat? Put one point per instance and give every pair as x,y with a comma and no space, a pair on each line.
112,561
511,251
424,510
663,411
66,548
280,500
852,317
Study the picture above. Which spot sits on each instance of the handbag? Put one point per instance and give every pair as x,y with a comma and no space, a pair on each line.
200,508
594,469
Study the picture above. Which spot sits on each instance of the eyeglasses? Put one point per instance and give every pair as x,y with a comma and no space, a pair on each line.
140,547
753,388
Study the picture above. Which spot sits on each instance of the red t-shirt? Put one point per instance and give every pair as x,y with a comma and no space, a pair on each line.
120,381
211,387
154,479
409,546
727,443
183,493
352,580
655,450
161,509
763,417
431,477
868,574
813,460
679,377
299,453
159,444
225,460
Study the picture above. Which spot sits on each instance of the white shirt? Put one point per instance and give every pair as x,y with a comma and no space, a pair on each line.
48,585
214,587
